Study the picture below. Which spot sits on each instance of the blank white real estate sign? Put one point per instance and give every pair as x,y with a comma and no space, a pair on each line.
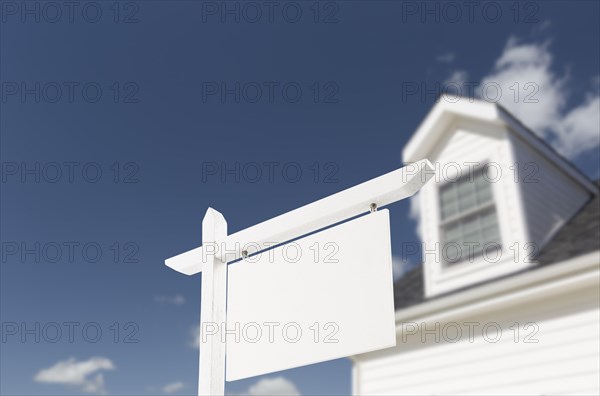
326,296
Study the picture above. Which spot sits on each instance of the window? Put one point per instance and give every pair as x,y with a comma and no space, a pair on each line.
469,224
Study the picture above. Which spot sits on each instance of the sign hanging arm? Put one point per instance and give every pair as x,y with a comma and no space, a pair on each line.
383,190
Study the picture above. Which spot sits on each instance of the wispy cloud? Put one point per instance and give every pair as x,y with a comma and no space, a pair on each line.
70,372
448,57
195,337
168,300
414,212
173,387
541,27
398,267
404,263
273,386
458,77
537,95
579,130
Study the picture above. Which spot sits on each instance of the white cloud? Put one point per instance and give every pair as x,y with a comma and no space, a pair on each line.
195,342
458,77
95,385
446,58
414,213
398,267
279,386
167,300
78,374
540,28
534,93
580,128
173,387
528,88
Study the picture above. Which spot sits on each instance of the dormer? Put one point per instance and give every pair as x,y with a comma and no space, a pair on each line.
499,194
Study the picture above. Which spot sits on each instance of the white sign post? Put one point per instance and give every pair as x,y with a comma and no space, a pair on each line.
211,380
363,267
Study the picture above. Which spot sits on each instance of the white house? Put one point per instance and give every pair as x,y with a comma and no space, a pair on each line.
506,300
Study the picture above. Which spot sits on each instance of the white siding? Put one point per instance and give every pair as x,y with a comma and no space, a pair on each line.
550,197
564,361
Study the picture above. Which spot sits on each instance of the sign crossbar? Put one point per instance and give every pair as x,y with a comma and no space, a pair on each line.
383,190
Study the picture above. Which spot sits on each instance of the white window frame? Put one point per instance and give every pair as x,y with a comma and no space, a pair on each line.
466,259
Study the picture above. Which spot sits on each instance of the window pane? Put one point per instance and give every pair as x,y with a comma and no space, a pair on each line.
491,234
468,201
479,179
453,233
471,225
465,194
472,237
484,193
465,187
447,192
473,234
448,211
488,218
474,250
449,201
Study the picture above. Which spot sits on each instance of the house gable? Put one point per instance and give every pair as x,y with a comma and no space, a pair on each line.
533,193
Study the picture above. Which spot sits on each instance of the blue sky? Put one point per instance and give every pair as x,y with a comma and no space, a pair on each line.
152,110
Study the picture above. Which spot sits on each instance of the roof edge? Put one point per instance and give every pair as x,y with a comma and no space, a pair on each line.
440,116
546,150
556,272
444,112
